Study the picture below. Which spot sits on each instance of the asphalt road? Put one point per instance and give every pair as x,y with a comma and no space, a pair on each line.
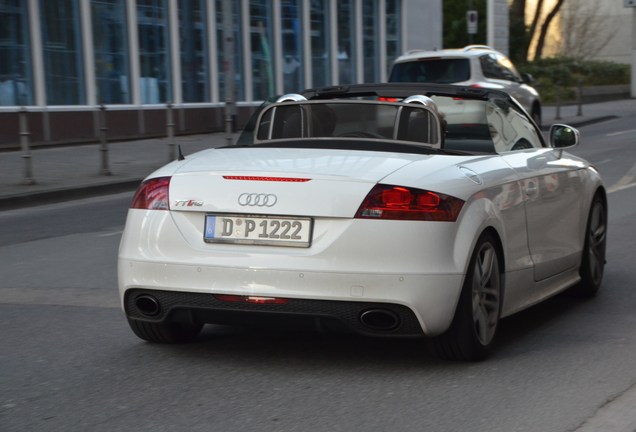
68,361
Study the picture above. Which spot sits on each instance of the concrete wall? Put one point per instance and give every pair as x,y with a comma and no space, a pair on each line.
423,22
498,18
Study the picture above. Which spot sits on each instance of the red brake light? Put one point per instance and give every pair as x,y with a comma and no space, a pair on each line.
387,99
250,299
401,203
260,178
152,195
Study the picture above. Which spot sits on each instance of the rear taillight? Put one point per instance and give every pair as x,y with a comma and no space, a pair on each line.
402,203
152,195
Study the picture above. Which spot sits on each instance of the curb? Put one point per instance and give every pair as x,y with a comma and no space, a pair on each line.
581,123
32,199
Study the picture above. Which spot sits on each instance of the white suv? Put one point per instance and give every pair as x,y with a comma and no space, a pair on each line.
474,65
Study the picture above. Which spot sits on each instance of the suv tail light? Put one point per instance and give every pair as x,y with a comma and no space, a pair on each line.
152,195
402,203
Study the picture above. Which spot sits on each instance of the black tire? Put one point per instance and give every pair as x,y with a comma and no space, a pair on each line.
593,260
165,332
472,332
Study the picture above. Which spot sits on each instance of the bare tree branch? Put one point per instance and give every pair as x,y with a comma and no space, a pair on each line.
587,32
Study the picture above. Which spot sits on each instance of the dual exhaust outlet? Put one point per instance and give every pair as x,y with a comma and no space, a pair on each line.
373,319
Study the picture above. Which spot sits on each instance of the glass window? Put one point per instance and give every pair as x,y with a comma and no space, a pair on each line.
239,94
63,64
489,67
16,80
508,69
498,67
392,31
320,58
111,51
292,46
346,45
370,41
154,53
195,83
263,85
443,71
510,129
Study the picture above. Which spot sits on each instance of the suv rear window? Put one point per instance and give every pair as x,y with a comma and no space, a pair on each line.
441,71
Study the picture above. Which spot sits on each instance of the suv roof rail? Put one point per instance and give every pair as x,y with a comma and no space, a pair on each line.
478,47
417,50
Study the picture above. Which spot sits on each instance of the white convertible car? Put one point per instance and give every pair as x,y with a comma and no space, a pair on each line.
385,209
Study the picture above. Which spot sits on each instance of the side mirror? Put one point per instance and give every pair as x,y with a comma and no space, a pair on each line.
564,136
527,78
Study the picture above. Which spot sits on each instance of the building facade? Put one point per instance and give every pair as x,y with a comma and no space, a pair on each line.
63,60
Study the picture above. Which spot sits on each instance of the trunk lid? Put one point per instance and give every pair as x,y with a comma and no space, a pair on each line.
281,181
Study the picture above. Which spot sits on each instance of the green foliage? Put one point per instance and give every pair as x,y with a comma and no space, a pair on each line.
567,73
455,25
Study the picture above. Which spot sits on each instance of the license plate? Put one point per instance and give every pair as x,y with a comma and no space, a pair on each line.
258,230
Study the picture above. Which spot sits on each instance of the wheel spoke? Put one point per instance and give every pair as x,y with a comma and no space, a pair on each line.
486,262
485,293
597,236
482,324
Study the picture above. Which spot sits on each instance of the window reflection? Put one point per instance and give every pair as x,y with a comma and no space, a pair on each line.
15,62
346,46
392,9
194,51
62,49
292,46
154,54
237,59
320,57
111,51
370,42
262,49
63,63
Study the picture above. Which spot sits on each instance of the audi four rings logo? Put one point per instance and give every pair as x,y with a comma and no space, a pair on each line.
257,199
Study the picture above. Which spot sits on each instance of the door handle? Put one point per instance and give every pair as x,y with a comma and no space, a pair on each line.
531,189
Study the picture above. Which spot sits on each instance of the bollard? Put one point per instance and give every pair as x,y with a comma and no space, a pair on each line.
557,96
26,149
579,91
102,139
229,121
170,132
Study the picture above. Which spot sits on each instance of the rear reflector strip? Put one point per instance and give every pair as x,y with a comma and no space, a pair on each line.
273,179
250,299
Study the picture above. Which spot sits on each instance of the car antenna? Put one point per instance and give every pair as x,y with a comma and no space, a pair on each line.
180,156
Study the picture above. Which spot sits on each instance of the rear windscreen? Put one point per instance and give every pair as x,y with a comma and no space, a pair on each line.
441,71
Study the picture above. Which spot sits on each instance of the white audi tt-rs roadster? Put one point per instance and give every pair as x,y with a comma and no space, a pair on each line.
385,209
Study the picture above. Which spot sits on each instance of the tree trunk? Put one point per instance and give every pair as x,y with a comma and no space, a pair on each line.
544,29
535,20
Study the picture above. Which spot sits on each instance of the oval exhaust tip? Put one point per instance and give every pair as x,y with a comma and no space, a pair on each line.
380,319
148,305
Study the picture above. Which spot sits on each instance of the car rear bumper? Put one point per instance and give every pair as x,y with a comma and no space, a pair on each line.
422,304
375,319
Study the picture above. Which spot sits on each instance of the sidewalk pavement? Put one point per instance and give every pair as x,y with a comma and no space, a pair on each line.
74,171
